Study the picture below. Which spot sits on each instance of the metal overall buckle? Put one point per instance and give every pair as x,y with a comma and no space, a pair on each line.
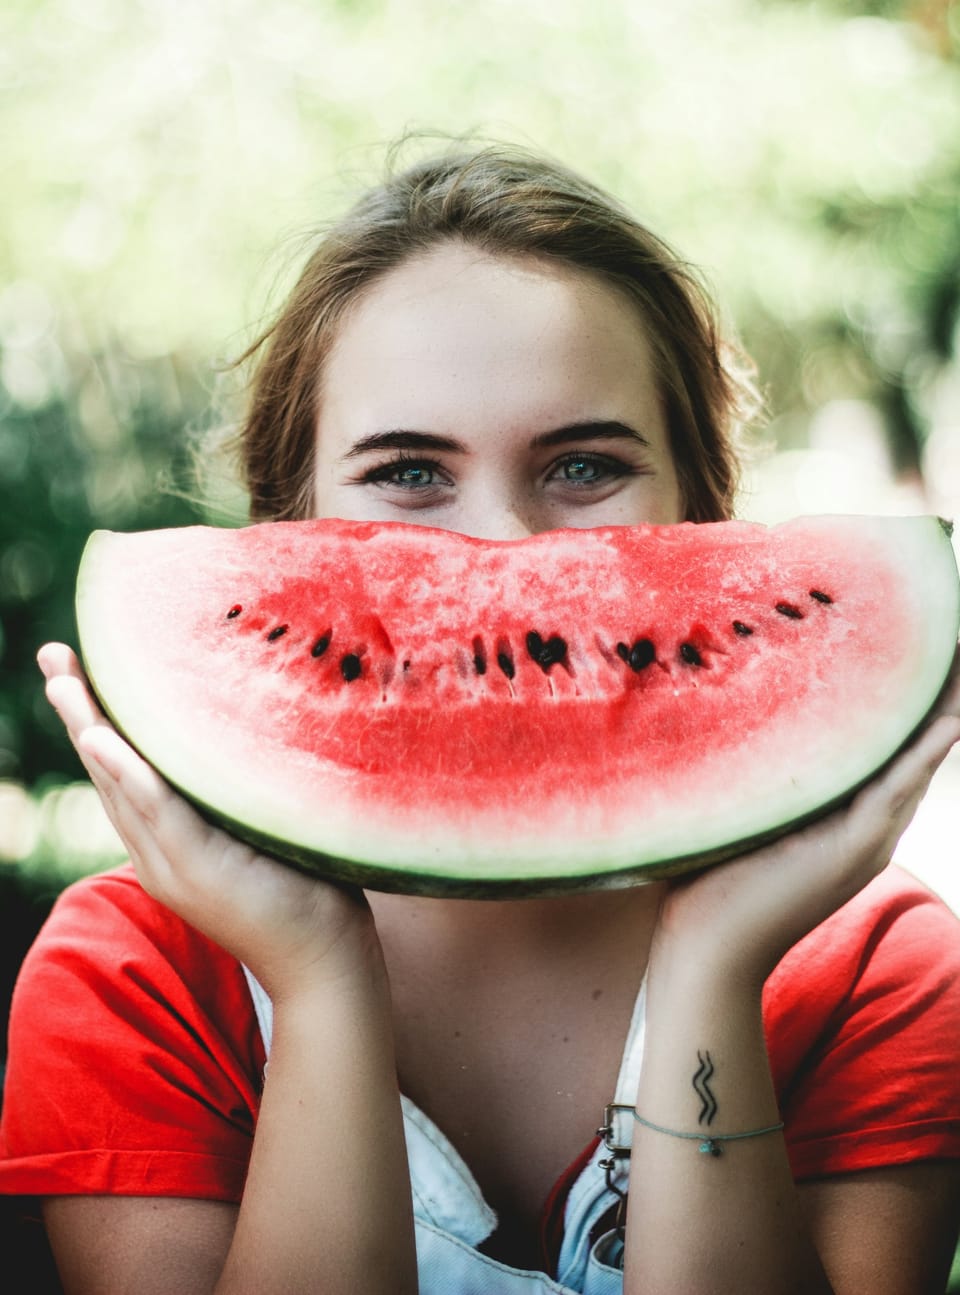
609,1163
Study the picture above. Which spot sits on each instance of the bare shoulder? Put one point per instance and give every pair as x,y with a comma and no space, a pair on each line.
104,1244
890,1231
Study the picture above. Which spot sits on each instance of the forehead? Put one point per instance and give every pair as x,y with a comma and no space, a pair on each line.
457,326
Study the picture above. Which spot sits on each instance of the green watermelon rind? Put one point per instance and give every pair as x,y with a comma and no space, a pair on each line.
443,885
515,877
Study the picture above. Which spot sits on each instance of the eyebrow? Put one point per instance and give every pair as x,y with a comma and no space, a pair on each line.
589,429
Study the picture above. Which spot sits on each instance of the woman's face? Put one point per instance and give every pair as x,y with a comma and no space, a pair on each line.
495,397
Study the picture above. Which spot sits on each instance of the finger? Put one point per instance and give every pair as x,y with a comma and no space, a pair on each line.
948,702
153,823
138,786
865,831
74,703
68,695
885,807
58,661
139,781
156,823
948,699
58,658
81,716
133,815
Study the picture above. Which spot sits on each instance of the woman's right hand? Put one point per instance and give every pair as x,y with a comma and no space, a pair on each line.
327,1191
287,927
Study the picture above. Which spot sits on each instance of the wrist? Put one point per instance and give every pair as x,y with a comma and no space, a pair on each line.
705,1067
349,963
703,970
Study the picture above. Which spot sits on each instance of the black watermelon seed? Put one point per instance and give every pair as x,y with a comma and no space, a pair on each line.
556,649
690,654
642,654
546,653
820,596
788,610
638,657
235,610
479,656
350,667
505,663
321,645
741,629
277,633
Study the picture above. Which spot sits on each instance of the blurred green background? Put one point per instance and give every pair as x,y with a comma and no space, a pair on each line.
162,161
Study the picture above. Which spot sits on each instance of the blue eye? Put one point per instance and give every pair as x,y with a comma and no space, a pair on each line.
580,470
407,473
414,474
590,469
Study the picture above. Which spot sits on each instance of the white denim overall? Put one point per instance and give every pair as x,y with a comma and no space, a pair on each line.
452,1218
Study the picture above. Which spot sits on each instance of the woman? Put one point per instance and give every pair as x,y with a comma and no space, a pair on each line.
488,344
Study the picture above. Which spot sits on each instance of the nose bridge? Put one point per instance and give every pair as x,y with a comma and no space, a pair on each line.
502,513
501,524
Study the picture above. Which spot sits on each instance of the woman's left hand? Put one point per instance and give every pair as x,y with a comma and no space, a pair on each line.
744,915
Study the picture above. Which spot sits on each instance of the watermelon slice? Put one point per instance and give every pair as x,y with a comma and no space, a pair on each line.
415,710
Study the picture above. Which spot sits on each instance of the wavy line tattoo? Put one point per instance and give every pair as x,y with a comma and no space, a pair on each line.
701,1084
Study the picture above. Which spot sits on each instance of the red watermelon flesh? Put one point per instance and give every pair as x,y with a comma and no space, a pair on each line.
417,710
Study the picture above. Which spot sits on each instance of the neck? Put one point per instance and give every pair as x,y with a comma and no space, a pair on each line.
514,934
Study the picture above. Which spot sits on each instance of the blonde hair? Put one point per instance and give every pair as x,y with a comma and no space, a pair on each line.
508,202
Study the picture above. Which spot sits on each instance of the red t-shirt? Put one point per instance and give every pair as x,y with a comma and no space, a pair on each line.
135,1058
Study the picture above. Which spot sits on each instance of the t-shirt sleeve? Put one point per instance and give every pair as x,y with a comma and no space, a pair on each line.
863,1029
134,1055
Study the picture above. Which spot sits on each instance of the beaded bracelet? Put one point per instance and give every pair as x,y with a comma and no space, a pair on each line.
710,1146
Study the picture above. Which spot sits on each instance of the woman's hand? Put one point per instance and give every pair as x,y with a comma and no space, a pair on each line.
718,936
742,917
327,1191
288,928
